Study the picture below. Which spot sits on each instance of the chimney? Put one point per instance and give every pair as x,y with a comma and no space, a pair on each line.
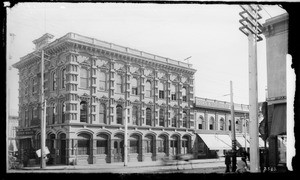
42,41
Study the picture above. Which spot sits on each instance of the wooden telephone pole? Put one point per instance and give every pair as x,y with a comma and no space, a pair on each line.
252,29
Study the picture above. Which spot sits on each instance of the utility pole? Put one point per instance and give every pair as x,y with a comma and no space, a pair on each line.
245,131
232,129
125,137
43,113
125,119
252,29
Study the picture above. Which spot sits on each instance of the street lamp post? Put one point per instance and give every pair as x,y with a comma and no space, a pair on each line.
252,29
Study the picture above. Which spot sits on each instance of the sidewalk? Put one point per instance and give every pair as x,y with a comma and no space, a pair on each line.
118,165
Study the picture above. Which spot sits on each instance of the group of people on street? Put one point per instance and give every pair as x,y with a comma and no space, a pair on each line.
241,165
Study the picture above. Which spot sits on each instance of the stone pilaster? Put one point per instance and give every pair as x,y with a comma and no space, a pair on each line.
72,74
111,91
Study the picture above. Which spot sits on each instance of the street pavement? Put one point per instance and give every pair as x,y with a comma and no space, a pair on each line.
192,166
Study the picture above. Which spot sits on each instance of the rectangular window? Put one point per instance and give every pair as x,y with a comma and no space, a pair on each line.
133,146
102,81
173,97
84,74
199,126
134,91
101,146
83,147
161,94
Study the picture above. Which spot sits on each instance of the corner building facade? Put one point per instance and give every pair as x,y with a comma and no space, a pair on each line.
91,88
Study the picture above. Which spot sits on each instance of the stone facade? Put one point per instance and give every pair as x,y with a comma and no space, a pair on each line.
92,87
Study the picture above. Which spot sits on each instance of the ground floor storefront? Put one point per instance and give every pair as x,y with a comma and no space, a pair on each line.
79,146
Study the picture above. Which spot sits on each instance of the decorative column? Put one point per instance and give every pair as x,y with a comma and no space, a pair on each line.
94,151
217,121
142,98
111,91
93,89
168,106
179,124
206,120
155,99
71,87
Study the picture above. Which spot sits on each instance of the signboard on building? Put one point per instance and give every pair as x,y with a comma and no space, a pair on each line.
219,104
22,132
211,103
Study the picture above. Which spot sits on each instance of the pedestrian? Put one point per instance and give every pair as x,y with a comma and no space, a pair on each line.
227,162
242,166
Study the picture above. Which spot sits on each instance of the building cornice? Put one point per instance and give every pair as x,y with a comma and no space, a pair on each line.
73,41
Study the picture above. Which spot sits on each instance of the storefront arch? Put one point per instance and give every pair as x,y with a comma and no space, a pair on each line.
174,144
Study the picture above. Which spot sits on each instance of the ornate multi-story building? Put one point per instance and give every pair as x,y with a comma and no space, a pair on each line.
91,88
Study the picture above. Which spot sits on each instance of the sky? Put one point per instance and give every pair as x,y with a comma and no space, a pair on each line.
208,33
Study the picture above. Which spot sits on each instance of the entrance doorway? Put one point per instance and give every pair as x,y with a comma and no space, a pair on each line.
62,149
118,148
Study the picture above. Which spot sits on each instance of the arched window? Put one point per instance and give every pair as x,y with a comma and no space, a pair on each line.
53,113
229,125
148,88
135,115
161,144
83,144
118,79
63,112
134,144
211,123
237,125
184,119
63,78
200,125
134,86
33,85
119,114
174,118
161,90
102,81
221,124
54,85
148,116
102,113
83,111
148,144
173,92
184,94
102,144
84,78
161,117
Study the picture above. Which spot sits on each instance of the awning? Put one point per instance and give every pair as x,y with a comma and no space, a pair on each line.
241,141
278,126
216,142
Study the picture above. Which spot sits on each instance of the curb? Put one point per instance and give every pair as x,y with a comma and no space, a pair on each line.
110,166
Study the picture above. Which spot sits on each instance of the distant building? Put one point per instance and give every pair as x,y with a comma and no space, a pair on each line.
213,127
12,125
276,33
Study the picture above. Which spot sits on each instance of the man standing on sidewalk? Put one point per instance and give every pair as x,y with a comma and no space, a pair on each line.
227,162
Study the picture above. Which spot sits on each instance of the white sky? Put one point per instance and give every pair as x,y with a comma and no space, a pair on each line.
208,33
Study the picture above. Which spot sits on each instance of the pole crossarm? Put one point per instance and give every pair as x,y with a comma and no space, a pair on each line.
249,21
